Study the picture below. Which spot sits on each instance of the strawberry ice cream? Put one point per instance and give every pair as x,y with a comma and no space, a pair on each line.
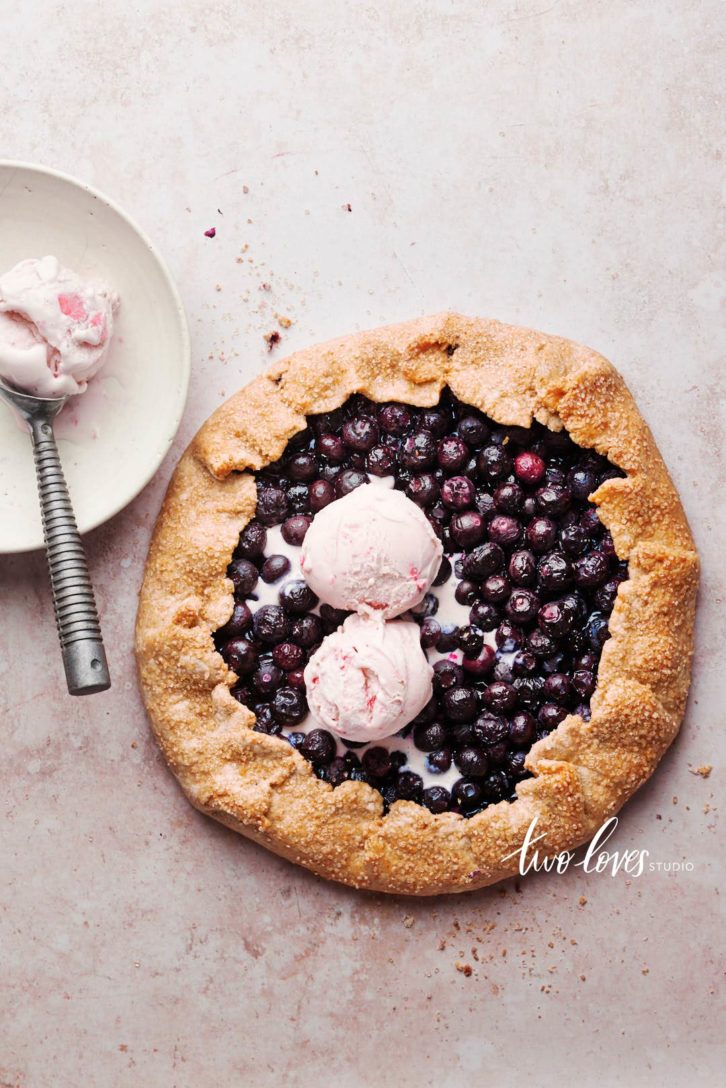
54,328
372,552
368,679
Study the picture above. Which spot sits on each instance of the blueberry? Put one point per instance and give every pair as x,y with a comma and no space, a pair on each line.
444,572
237,623
332,618
318,746
458,492
332,448
558,689
484,614
541,534
306,631
360,434
493,463
394,418
447,675
270,624
522,606
252,541
430,633
509,498
409,786
322,494
466,592
480,664
472,762
466,795
381,461
529,468
303,467
460,704
452,453
377,762
500,696
243,574
592,570
240,655
297,598
272,505
436,799
267,678
496,589
348,480
288,656
473,430
522,729
555,619
490,728
423,489
484,560
438,761
429,736
418,451
554,571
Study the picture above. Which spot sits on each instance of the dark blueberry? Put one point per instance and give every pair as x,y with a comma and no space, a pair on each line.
558,689
554,571
466,592
297,598
430,633
529,691
452,453
240,655
298,497
524,663
503,671
288,656
496,589
467,528
289,706
573,540
598,631
500,696
360,405
252,541
270,624
438,761
418,451
508,637
583,681
409,786
381,461
267,678
555,475
540,644
360,434
244,694
272,505
436,799
522,568
429,736
554,664
237,623
583,711
460,704
326,422
266,723
509,498
495,786
321,493
296,679
348,480
394,418
505,530
436,420
485,504
515,765
243,574
592,570
490,728
550,715
423,489
472,762
377,762
465,795
447,675
427,606
295,528
458,492
306,631
274,568
470,640
428,714
529,468
582,482
318,747
444,572
604,596
303,467
541,534
591,522
332,618
335,773
473,430
586,660
484,614
493,463
481,664
296,739
522,606
447,638
607,546
332,448
522,729
484,560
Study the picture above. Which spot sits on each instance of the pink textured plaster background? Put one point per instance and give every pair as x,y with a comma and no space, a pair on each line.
555,164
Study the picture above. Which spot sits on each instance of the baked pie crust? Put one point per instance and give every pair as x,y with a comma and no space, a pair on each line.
583,772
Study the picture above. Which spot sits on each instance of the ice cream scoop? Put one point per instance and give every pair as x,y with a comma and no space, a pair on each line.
372,552
368,679
54,328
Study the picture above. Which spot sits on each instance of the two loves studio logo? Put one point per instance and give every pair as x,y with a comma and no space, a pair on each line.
596,860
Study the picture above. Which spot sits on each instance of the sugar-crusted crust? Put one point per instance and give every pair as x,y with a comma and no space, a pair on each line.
583,772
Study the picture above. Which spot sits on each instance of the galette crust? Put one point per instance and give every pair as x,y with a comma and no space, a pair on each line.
582,773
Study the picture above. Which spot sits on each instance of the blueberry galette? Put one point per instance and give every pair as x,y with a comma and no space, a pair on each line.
410,590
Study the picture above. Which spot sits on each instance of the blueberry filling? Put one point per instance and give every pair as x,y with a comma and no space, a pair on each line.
528,566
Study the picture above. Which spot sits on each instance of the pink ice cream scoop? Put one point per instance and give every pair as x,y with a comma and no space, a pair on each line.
54,328
372,552
368,679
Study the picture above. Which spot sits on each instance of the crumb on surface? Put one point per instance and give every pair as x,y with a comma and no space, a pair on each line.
211,233
582,901
704,770
346,207
282,321
464,968
408,921
272,339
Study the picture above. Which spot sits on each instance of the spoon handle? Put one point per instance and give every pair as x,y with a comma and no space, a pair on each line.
84,658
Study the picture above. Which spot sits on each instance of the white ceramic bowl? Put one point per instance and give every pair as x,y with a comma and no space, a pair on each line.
113,438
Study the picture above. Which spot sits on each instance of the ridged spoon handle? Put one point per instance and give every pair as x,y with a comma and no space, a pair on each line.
84,658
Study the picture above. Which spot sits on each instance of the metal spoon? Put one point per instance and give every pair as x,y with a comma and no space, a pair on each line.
84,658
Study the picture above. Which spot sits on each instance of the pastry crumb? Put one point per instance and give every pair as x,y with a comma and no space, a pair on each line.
704,770
346,207
464,968
272,339
408,921
283,322
582,901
